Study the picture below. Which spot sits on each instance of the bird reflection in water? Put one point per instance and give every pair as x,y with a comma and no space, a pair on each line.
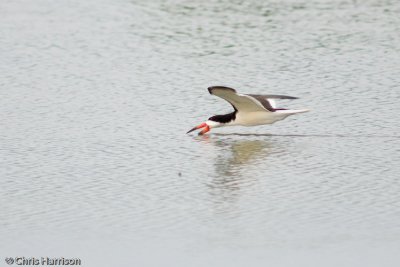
237,163
243,154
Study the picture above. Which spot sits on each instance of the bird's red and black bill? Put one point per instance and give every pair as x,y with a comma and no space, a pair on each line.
200,126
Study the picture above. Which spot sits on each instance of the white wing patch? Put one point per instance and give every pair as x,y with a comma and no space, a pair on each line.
272,102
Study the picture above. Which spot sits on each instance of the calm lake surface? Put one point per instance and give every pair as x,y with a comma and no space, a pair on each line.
96,98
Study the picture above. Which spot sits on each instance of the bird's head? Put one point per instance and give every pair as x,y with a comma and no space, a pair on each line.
206,126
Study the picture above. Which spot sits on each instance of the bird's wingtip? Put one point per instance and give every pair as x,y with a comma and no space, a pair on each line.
211,88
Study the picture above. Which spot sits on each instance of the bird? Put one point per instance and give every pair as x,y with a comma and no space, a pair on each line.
249,110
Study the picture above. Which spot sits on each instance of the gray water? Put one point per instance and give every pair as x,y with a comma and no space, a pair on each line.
96,98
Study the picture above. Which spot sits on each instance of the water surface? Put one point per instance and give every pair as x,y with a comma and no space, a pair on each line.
96,97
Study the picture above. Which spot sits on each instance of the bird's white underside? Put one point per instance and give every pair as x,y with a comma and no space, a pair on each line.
262,117
257,118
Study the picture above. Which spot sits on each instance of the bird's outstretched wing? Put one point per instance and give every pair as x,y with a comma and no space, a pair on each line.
268,101
247,103
274,96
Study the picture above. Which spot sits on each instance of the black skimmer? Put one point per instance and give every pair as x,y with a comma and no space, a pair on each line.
249,110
